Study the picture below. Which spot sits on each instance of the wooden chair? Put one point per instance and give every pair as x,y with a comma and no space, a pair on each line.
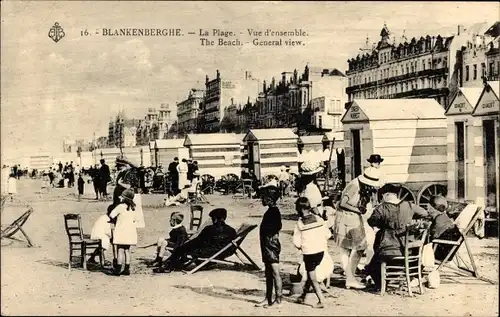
230,249
196,218
17,225
243,189
208,184
80,244
455,245
403,268
197,196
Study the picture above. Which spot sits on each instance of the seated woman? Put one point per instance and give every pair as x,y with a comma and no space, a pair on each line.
442,226
391,217
209,241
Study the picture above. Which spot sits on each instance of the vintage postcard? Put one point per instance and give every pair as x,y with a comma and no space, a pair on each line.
250,158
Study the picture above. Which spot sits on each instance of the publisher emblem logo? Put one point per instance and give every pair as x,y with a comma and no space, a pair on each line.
56,33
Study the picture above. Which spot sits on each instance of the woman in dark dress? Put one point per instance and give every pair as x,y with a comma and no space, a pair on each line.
270,245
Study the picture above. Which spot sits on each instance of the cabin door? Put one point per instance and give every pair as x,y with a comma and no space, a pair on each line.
460,159
491,163
356,153
254,159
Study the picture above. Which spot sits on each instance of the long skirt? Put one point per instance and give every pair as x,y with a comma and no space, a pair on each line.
349,232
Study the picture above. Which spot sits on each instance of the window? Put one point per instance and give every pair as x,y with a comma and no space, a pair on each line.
320,121
396,89
474,74
406,86
429,63
467,73
423,65
483,69
407,68
492,69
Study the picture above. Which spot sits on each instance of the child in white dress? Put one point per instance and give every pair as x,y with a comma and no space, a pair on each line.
125,232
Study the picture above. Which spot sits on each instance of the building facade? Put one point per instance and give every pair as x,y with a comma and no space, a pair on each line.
122,131
188,111
416,69
218,95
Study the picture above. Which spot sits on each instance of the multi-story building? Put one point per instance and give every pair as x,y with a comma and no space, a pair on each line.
188,110
122,131
475,53
493,53
428,67
218,94
155,125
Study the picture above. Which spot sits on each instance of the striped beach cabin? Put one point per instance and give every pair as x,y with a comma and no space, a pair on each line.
133,154
168,149
217,154
269,149
410,134
244,152
473,139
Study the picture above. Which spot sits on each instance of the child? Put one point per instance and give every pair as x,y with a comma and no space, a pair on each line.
270,245
101,231
45,182
125,232
178,235
81,184
310,236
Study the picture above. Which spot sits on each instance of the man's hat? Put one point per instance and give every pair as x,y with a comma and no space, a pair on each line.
311,167
370,177
375,158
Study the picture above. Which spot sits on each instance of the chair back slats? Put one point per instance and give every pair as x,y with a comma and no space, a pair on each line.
73,225
196,217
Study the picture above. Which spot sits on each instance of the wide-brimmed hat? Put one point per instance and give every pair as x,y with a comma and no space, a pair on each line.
177,217
311,167
375,158
370,177
196,173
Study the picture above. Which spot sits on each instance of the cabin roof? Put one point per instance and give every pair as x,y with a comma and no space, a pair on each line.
211,139
169,144
270,134
338,136
395,109
495,86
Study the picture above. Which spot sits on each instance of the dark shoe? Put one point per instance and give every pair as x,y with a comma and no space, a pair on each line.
126,271
116,269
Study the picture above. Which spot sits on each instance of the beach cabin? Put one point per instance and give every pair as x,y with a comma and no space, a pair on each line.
460,144
168,149
486,135
410,134
217,154
244,152
40,162
269,149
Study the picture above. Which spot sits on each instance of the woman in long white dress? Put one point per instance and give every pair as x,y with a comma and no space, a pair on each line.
182,169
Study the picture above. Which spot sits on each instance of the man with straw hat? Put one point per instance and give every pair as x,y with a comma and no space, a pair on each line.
349,232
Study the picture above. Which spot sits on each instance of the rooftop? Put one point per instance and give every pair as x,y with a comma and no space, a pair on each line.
270,134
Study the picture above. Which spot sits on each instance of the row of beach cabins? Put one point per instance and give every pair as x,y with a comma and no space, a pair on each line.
426,149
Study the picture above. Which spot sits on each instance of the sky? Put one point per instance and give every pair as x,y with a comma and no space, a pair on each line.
70,89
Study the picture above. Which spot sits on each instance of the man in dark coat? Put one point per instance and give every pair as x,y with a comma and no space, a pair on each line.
173,175
105,177
211,240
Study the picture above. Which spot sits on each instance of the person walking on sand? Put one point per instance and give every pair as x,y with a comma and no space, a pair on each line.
104,177
270,246
81,185
310,236
125,232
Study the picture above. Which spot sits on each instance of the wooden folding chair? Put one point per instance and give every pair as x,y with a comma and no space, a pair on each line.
455,246
411,263
242,232
17,225
80,244
243,189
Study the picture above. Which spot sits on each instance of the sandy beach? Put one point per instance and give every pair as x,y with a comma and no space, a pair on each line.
36,281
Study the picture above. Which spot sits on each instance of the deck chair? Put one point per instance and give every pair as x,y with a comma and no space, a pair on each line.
17,225
455,246
80,244
197,196
241,234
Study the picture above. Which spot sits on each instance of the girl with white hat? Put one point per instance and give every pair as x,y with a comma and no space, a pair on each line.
308,187
349,232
